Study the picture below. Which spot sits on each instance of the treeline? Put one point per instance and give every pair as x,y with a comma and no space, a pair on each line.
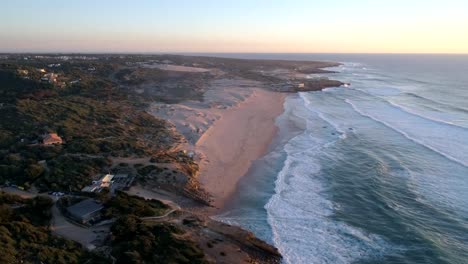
94,118
136,242
123,204
26,238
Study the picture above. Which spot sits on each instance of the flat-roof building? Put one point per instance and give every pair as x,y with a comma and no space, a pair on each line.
85,211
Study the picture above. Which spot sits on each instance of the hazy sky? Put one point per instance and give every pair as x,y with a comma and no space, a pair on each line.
416,26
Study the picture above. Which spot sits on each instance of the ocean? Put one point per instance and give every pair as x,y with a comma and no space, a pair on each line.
373,173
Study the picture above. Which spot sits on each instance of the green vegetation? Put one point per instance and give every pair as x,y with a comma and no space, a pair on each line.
25,237
144,171
173,87
124,204
94,117
71,173
97,106
135,242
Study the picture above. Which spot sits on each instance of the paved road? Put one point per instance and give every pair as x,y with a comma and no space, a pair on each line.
62,227
87,236
83,235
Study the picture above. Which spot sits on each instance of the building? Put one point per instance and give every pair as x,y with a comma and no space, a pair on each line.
122,181
52,139
23,72
86,211
49,77
104,182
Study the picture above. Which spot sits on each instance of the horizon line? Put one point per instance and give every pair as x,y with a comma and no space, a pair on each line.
207,52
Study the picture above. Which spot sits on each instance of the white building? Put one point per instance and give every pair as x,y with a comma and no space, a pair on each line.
50,77
104,182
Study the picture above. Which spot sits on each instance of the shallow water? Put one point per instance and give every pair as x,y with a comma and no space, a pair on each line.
372,173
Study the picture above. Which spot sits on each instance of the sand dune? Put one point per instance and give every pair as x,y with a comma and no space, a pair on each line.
229,129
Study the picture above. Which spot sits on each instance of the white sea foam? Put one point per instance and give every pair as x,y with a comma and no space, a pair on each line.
322,116
430,109
299,212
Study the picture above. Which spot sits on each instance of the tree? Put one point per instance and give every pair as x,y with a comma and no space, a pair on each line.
7,245
34,170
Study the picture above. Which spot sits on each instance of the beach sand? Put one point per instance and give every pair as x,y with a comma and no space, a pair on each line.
241,135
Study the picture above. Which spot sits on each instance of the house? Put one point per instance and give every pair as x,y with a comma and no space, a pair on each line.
23,72
301,86
49,77
52,139
86,211
96,186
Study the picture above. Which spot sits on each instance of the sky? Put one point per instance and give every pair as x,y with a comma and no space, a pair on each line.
286,26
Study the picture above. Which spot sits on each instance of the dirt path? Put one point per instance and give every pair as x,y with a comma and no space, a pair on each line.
59,225
165,197
88,237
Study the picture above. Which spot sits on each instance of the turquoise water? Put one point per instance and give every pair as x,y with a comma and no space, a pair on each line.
373,173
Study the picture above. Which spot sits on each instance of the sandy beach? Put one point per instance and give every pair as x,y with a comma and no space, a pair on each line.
231,121
240,136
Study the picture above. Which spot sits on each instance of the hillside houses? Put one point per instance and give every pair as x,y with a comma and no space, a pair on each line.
49,77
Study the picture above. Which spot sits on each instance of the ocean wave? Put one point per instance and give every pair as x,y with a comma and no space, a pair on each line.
425,116
405,134
431,105
299,215
435,104
321,115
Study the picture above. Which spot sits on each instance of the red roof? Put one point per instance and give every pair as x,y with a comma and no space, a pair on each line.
52,138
